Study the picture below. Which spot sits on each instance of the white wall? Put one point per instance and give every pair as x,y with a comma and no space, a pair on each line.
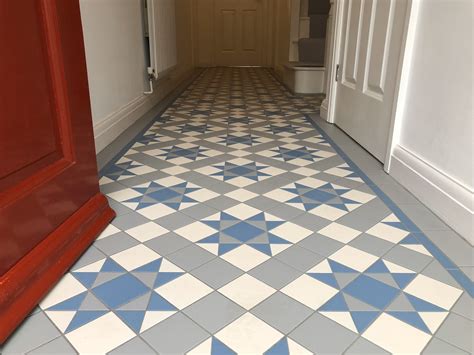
113,37
433,155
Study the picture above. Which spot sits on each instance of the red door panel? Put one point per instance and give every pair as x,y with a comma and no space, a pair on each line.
50,204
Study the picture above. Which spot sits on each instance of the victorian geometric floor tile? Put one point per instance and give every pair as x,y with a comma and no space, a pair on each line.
245,226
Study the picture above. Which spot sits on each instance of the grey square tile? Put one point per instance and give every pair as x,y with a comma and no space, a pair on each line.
175,335
275,273
423,217
32,333
134,346
91,255
397,193
282,312
323,336
366,216
174,221
115,243
457,331
408,258
436,346
222,203
214,184
454,246
129,220
167,243
311,221
464,306
217,273
111,187
320,244
57,346
118,207
299,258
214,312
371,244
364,347
190,257
285,212
199,211
262,203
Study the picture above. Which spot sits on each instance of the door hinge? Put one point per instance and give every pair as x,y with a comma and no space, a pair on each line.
337,73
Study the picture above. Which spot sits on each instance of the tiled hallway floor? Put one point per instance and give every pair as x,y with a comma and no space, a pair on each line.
243,228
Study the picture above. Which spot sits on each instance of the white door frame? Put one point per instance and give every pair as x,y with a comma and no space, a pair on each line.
403,69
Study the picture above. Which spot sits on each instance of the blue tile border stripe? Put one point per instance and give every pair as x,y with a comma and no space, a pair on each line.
447,263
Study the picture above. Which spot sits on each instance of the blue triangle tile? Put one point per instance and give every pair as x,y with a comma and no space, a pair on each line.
362,319
213,224
111,266
224,248
133,319
165,277
422,305
258,217
328,279
227,217
403,279
264,248
86,278
219,348
212,239
153,266
335,304
158,303
83,317
337,267
378,267
273,239
409,239
412,318
71,304
280,348
273,224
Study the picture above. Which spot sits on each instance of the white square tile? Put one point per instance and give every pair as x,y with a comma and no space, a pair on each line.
123,195
101,335
309,291
169,181
202,195
184,291
291,232
146,231
354,258
140,170
241,181
328,212
247,291
358,196
245,257
339,232
66,288
107,232
386,232
135,257
241,195
156,211
249,335
175,170
396,336
433,291
242,211
195,231
280,195
305,171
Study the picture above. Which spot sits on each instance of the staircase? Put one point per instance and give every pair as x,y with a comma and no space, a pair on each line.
311,50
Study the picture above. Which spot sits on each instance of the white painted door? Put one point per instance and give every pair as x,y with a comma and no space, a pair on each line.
372,40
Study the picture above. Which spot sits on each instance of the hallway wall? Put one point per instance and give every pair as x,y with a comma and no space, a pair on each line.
434,156
113,36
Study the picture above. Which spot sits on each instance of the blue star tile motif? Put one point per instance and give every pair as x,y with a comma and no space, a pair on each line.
187,128
121,171
229,170
327,194
282,129
171,196
232,232
191,153
289,154
232,139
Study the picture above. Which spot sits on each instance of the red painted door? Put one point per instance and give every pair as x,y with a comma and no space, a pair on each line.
50,205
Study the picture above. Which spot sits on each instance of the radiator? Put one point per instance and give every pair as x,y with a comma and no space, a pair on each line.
162,36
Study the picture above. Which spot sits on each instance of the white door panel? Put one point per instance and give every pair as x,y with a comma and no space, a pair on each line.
372,40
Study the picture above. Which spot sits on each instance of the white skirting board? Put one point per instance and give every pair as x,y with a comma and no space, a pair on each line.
452,201
118,121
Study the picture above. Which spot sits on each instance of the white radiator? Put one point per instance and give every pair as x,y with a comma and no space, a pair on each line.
162,36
